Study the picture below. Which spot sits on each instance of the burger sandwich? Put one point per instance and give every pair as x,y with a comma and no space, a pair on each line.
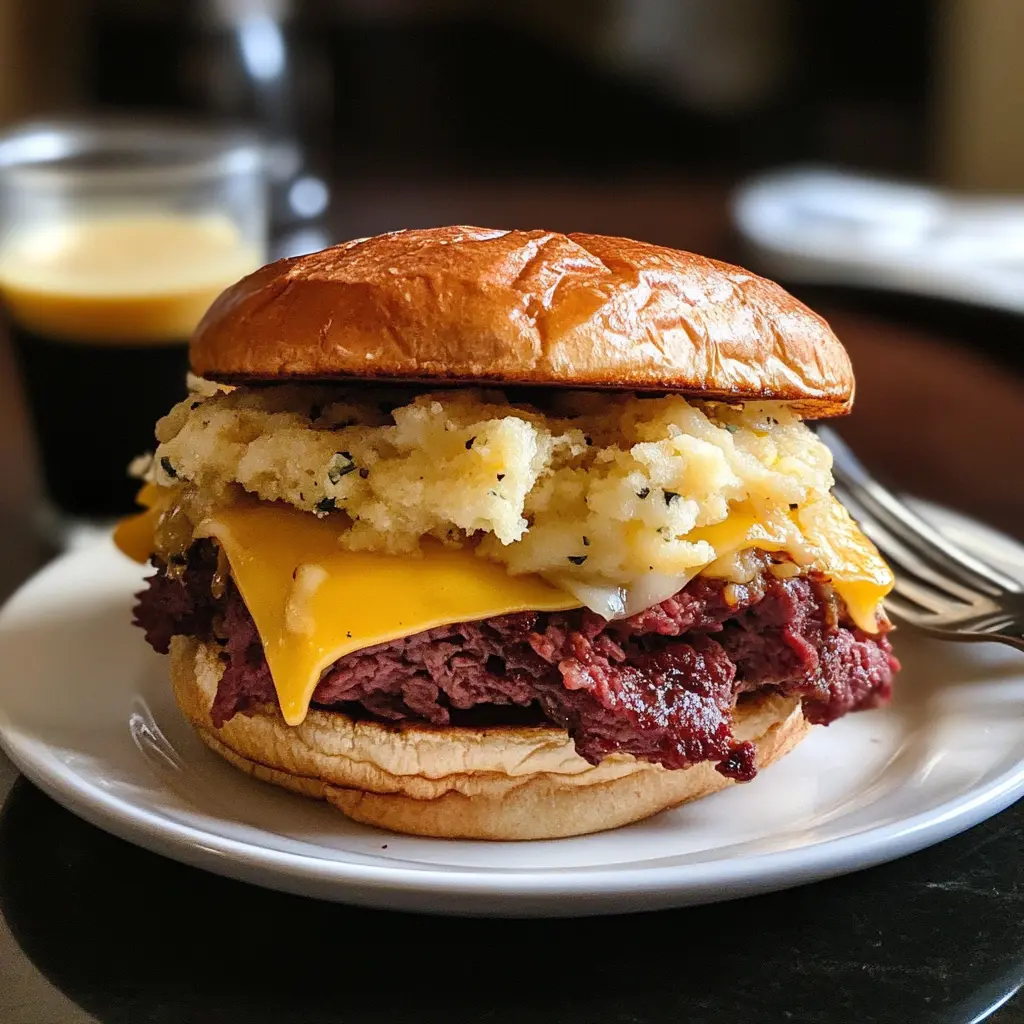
507,534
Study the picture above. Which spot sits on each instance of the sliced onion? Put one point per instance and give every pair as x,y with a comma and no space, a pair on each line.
608,601
612,602
652,588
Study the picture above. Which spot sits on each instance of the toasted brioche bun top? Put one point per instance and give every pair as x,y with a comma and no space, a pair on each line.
468,305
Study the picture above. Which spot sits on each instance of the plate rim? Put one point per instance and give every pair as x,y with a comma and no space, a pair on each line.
804,862
664,885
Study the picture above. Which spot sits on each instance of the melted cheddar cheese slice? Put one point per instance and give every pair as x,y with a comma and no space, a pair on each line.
314,602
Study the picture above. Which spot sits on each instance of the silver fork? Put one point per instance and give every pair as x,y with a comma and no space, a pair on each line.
940,588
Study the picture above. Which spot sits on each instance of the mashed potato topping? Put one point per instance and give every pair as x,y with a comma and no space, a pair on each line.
599,492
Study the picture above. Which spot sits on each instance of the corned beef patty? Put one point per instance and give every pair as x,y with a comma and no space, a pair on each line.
660,685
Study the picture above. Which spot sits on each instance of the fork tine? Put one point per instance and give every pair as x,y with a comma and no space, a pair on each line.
905,523
926,597
904,610
908,559
928,544
997,622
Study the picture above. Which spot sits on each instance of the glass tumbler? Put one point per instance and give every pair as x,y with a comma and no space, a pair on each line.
115,237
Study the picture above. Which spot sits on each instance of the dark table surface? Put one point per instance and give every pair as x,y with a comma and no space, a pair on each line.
95,929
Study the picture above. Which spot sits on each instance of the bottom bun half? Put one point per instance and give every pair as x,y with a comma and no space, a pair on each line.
503,783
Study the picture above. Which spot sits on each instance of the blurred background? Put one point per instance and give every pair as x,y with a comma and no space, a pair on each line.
657,119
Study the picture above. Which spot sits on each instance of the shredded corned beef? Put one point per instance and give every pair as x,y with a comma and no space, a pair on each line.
660,685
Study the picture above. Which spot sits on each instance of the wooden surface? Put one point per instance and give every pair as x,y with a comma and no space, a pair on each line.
933,417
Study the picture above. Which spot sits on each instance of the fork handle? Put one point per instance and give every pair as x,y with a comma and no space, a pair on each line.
1014,637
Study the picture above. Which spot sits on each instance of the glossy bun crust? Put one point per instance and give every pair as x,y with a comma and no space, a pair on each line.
473,305
455,783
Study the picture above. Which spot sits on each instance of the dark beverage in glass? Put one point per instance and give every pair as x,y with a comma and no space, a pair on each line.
89,417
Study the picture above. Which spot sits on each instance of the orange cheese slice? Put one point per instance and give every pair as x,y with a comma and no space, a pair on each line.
314,602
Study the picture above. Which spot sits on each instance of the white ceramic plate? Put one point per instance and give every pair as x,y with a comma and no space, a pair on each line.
86,713
821,225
